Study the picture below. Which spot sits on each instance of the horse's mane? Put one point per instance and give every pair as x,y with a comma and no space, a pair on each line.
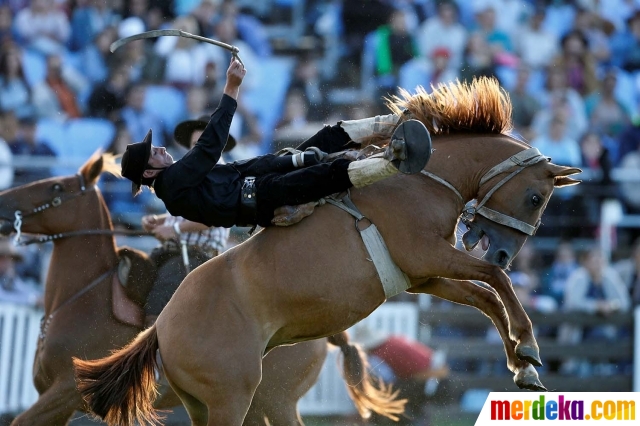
481,106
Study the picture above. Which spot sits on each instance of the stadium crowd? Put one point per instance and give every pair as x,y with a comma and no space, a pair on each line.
571,68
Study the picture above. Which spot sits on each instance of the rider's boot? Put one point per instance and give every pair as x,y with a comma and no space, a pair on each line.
380,124
408,152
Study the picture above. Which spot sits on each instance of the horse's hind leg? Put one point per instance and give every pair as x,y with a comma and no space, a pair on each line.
196,409
470,294
53,408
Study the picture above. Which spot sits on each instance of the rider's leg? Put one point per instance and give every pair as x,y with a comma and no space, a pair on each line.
332,139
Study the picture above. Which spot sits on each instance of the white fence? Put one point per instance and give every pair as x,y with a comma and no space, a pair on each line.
329,395
19,328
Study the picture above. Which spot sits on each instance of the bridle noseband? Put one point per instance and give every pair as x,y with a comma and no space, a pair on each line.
520,161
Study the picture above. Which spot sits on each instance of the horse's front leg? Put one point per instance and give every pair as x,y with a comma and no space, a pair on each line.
457,265
470,294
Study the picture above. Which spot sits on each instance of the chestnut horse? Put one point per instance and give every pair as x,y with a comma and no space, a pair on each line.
79,320
314,279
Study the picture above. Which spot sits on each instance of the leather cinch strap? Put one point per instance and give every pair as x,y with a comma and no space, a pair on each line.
394,281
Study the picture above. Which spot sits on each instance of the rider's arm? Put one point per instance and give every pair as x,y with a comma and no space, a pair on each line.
199,161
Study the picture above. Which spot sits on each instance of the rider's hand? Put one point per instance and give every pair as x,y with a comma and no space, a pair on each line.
149,222
164,232
235,75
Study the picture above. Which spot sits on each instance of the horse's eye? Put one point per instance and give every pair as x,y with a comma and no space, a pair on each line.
535,200
57,187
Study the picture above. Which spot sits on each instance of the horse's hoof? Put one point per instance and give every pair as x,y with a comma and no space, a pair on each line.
530,383
529,354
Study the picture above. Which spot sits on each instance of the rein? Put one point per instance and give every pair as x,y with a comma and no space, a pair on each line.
521,160
56,202
44,324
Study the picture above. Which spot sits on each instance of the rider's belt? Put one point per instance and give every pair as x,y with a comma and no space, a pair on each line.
248,204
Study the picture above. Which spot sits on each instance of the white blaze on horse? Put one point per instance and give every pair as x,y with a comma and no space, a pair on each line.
314,279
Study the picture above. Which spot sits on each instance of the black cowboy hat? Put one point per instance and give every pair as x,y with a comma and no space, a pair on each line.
183,131
135,160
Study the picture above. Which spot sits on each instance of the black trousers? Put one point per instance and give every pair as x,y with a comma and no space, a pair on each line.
298,187
278,183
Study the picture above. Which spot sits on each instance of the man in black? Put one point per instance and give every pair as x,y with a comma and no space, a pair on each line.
247,192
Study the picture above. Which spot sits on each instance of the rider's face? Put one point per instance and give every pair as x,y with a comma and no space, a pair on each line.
160,158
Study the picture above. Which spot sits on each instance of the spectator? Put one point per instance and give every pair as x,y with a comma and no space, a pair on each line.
15,93
556,143
557,93
561,108
443,31
246,128
13,289
138,56
629,188
295,113
137,118
107,99
96,57
606,113
440,72
596,288
6,25
554,281
577,62
625,45
250,29
596,30
629,270
628,140
205,13
186,59
43,27
26,144
358,19
90,18
597,186
524,104
525,277
499,41
394,48
535,46
306,78
478,59
196,102
6,161
226,32
58,96
412,367
618,12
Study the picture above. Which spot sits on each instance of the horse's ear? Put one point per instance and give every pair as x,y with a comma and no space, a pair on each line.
92,168
560,174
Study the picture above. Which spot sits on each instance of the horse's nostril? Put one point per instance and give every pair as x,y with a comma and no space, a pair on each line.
502,258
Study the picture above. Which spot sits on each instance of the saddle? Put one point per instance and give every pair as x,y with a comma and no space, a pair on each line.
131,285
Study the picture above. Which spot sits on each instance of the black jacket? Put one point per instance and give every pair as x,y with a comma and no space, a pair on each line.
197,188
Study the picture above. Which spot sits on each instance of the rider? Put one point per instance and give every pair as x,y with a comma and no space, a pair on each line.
248,192
202,242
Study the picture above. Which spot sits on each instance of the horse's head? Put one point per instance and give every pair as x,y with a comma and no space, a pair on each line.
53,205
509,215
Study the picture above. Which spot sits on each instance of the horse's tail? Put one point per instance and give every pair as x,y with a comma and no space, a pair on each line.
361,386
121,388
